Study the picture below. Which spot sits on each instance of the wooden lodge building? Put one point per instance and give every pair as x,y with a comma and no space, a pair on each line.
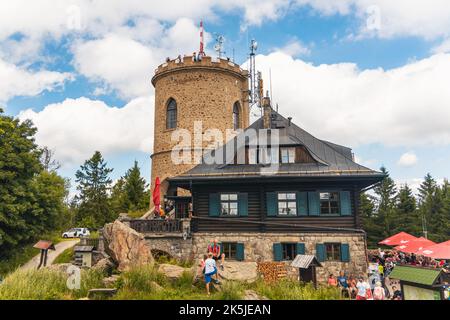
302,198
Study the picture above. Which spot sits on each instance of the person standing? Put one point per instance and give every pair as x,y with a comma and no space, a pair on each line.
210,271
342,282
362,289
379,293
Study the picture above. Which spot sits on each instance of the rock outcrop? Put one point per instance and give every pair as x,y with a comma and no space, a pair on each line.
172,272
126,247
239,271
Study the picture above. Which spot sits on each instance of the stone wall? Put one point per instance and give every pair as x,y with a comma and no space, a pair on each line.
176,247
259,247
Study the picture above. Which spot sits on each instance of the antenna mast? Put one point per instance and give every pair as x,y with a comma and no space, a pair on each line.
256,83
202,41
219,45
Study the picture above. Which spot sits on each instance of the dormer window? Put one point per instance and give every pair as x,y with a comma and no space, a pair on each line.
287,155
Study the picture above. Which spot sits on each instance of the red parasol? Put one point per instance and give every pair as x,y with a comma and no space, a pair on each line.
415,245
437,251
157,195
398,239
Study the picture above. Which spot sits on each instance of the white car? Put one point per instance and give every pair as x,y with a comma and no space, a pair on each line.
76,233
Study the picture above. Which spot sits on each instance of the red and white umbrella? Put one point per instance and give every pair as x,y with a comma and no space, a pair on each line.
437,251
400,238
415,245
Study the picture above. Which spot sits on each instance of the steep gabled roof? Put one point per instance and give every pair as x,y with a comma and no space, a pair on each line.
331,159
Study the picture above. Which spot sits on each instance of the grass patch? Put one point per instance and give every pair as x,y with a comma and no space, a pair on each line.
146,283
47,284
18,258
65,257
293,290
169,260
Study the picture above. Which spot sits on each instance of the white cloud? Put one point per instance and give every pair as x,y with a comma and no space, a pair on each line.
406,106
75,128
123,63
295,48
16,81
407,159
127,64
444,47
428,19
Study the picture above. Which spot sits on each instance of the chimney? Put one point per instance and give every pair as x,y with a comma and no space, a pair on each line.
267,111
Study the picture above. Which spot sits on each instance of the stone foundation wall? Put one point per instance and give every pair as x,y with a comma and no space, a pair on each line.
177,247
258,247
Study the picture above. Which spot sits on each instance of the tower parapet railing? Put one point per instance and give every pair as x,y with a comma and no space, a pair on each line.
205,62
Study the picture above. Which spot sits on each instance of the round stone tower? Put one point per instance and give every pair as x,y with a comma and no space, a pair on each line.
186,91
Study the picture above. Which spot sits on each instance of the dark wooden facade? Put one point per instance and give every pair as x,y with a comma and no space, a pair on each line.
257,219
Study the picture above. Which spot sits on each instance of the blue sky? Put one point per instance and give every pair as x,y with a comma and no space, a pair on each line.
82,73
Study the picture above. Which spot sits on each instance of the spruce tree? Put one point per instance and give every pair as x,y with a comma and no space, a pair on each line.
135,189
386,195
368,215
93,185
407,218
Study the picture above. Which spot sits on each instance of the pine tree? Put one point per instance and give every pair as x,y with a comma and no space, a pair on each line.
135,189
428,195
406,217
368,215
386,194
93,180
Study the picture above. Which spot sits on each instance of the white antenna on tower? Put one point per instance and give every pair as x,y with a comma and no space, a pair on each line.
220,40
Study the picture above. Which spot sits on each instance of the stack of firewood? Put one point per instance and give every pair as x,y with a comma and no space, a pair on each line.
272,271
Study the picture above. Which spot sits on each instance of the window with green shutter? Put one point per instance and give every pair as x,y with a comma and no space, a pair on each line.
302,203
320,252
243,204
346,206
300,248
277,252
214,204
240,255
271,204
314,203
345,252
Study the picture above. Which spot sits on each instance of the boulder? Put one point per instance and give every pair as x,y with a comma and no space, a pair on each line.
239,271
126,247
252,295
171,271
104,265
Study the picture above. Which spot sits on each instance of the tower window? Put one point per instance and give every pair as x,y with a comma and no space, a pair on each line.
171,114
236,116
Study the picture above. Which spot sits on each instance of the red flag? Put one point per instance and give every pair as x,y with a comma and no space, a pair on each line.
157,194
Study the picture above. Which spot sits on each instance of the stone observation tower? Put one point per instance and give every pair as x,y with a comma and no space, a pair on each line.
213,91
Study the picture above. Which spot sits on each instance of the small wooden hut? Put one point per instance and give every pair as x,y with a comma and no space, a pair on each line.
307,265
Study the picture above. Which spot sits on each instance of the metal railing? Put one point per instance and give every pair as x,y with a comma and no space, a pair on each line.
157,226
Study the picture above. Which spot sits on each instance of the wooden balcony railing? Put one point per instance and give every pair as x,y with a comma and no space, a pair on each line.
157,226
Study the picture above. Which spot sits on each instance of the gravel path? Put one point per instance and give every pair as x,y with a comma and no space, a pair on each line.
60,248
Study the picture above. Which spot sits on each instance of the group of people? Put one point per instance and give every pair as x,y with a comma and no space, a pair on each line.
211,262
363,288
392,257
